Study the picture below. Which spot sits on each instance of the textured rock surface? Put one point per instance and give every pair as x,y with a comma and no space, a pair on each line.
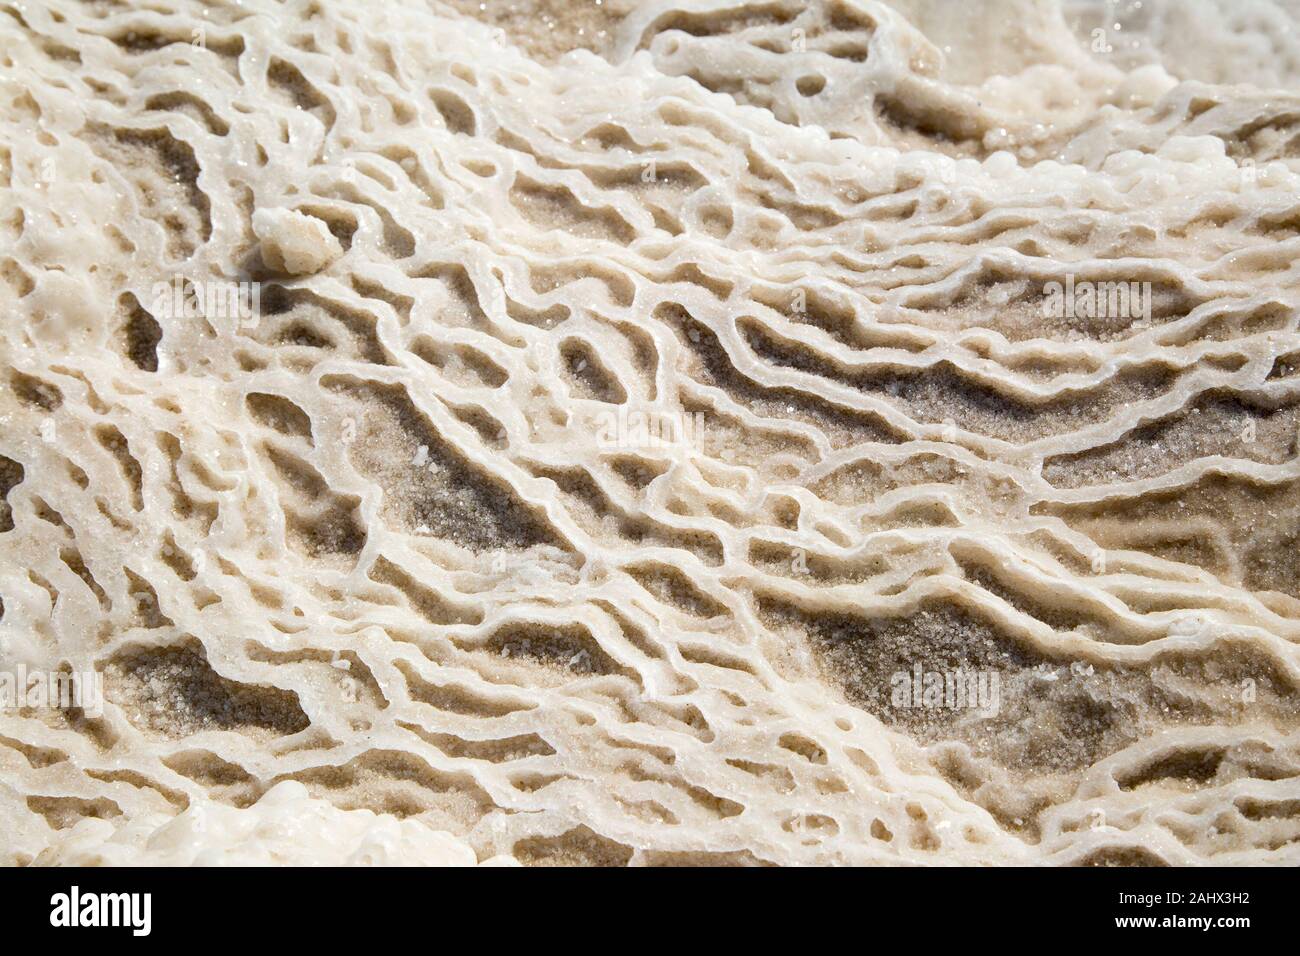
545,430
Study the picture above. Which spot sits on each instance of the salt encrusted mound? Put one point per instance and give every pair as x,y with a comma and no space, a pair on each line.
286,827
293,242
560,431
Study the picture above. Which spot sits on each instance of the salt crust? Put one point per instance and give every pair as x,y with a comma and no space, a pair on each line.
364,583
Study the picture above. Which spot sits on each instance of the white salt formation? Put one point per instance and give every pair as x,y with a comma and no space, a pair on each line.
287,827
710,431
293,242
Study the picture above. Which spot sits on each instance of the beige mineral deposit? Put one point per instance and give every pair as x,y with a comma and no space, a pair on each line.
649,433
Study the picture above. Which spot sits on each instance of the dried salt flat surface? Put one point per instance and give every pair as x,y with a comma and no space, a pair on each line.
603,433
